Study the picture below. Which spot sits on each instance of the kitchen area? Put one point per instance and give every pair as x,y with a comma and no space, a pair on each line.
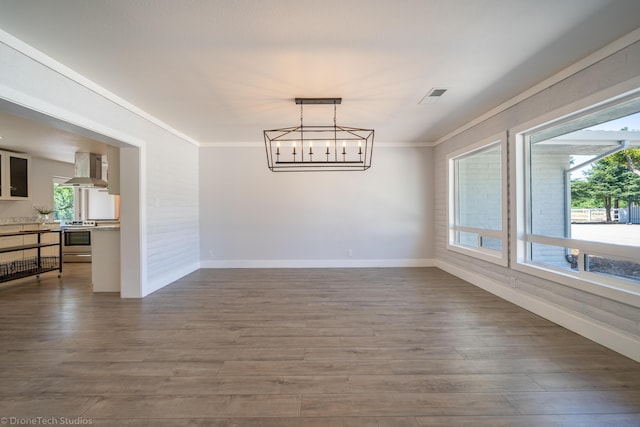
94,233
56,215
96,242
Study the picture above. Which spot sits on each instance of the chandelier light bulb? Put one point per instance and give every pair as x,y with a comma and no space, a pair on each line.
344,147
310,147
294,147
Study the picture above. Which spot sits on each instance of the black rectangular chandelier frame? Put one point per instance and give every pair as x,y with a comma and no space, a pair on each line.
337,148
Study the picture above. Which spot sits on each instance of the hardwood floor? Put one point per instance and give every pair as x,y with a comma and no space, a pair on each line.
317,347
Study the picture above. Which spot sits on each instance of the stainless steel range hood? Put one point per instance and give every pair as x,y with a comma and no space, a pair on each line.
88,171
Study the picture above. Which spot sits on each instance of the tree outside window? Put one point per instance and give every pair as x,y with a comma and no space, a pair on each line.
581,193
63,200
612,182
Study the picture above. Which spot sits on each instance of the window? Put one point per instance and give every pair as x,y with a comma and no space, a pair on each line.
63,201
580,195
477,217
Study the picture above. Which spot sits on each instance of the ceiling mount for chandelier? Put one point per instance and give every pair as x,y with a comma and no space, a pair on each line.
318,148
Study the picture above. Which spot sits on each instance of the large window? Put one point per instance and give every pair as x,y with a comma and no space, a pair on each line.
476,201
581,196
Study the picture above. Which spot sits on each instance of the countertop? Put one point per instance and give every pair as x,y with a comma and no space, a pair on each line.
105,228
5,222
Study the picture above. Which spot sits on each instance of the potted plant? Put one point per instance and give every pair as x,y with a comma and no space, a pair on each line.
44,213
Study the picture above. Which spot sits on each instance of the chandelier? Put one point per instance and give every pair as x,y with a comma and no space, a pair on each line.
318,148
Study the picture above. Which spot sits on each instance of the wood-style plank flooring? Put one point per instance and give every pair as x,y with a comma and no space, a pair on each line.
301,347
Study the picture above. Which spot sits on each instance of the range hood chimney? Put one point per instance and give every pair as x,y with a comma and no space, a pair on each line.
88,171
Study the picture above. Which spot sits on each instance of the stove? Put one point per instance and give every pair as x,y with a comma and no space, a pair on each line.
76,224
76,246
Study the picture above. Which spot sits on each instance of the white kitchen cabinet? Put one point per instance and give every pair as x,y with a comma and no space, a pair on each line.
24,234
15,171
11,237
105,259
96,203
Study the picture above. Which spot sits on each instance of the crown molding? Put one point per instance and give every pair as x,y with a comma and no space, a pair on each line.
261,144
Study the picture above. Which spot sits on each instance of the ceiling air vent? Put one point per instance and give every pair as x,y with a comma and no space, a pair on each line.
432,96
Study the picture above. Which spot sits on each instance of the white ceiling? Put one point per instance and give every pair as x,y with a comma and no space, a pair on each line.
222,71
40,138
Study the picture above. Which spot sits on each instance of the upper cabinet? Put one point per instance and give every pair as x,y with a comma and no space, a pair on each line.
14,176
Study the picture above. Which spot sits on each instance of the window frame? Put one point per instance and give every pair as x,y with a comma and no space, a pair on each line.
617,289
500,257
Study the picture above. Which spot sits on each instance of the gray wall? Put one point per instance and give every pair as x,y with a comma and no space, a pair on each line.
250,216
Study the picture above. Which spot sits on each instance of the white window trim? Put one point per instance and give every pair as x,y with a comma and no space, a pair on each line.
625,291
497,257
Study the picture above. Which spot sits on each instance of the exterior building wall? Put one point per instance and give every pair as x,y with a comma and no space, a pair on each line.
548,202
479,191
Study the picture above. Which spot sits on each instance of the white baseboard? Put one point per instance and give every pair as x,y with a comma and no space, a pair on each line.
614,339
318,263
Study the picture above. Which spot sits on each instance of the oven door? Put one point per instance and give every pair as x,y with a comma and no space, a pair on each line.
77,238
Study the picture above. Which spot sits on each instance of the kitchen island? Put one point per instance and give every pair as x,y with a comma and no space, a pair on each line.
105,259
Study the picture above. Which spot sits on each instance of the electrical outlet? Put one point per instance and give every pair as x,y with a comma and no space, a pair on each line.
211,253
350,252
